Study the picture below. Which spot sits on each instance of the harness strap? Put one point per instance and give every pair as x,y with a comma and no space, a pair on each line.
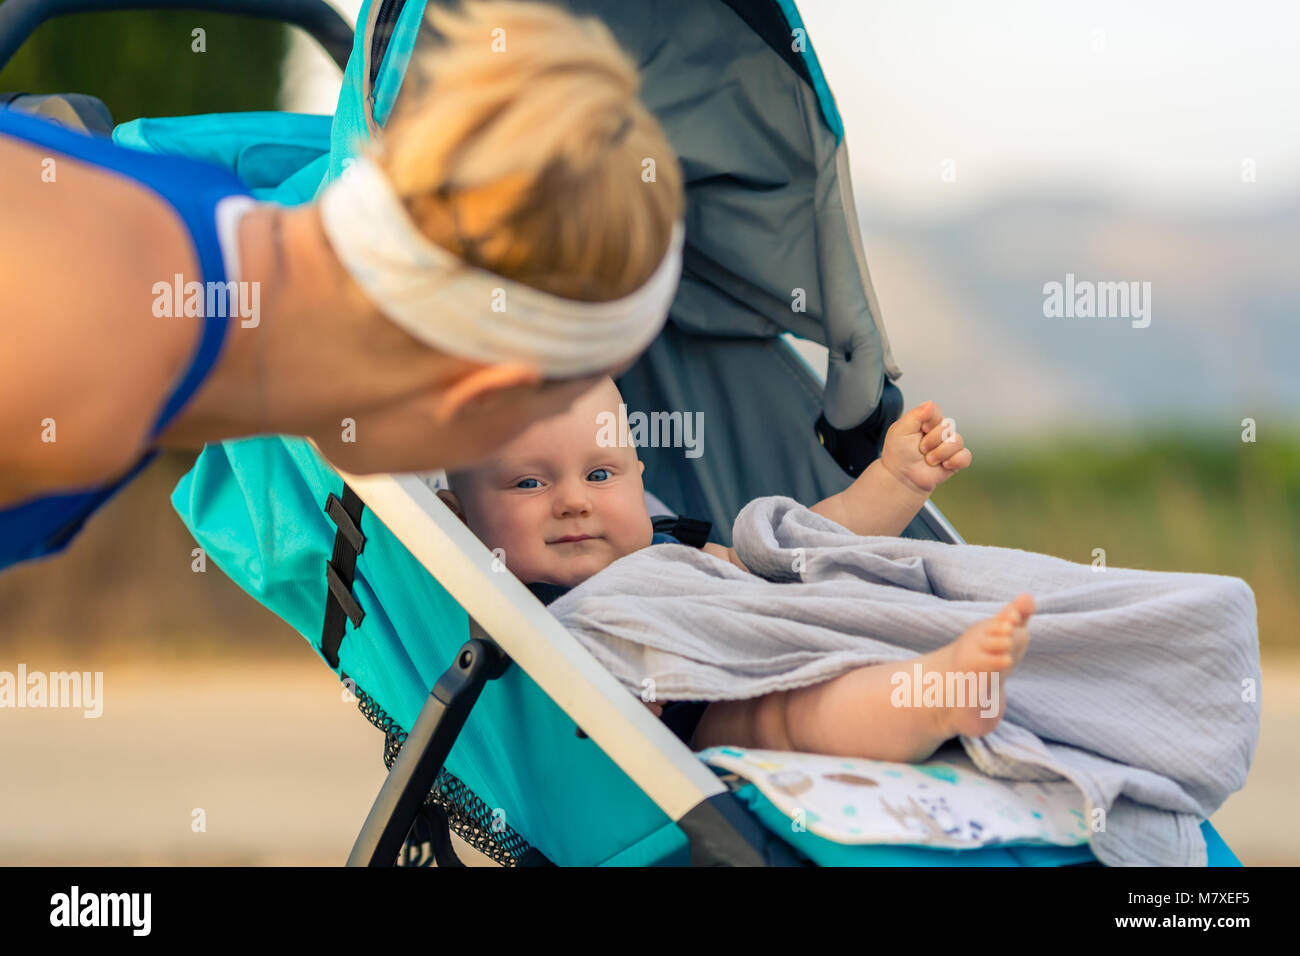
341,605
691,531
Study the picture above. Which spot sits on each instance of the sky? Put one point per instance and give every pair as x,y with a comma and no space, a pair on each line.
948,104
1160,102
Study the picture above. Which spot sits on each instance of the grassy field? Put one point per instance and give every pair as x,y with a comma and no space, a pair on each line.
1174,503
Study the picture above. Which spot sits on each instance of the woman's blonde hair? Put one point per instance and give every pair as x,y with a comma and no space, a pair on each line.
524,150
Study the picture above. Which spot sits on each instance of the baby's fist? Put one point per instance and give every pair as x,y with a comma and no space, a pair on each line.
923,449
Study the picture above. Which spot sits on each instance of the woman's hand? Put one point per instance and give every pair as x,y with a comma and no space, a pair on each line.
923,449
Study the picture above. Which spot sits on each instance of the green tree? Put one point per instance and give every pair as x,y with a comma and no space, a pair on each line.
145,62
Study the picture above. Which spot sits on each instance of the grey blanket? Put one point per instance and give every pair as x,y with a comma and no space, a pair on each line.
1140,687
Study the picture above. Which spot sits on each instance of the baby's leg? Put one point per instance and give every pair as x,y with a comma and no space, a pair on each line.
854,715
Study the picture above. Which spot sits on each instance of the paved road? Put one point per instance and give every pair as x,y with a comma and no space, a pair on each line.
285,771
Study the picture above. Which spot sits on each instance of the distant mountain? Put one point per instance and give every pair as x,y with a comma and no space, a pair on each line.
963,302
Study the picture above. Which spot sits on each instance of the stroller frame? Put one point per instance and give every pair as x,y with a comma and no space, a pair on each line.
20,18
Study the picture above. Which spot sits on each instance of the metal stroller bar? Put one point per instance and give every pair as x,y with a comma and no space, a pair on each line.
20,18
413,774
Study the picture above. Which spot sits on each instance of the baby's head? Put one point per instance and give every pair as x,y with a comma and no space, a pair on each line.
553,484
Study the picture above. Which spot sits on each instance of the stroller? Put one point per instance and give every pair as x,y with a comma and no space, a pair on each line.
499,726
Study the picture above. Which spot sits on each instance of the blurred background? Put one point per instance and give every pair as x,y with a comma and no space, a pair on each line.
995,147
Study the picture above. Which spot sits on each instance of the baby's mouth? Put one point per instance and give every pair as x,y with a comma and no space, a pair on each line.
572,538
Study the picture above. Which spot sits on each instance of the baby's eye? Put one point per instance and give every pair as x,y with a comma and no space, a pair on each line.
522,483
599,471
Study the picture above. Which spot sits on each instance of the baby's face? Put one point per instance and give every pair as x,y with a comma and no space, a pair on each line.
559,505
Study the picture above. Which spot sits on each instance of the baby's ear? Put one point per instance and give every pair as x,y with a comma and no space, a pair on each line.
450,499
641,465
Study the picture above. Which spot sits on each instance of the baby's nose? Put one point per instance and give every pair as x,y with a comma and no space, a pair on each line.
572,502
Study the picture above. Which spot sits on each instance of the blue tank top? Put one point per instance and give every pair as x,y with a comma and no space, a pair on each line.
45,525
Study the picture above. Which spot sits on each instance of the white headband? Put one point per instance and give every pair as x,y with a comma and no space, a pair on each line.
449,304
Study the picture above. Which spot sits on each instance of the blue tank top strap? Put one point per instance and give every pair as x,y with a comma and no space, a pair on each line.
211,339
193,189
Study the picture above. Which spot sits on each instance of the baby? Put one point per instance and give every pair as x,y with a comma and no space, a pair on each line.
563,507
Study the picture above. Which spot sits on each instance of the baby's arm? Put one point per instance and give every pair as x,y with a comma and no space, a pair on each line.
922,450
726,554
877,503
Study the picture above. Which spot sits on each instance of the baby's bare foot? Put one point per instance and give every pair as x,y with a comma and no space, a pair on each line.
990,649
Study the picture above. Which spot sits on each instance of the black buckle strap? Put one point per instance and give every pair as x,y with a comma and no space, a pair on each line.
344,597
341,605
348,526
691,531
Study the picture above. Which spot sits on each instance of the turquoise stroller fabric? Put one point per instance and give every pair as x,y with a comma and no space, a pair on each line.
257,508
280,157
